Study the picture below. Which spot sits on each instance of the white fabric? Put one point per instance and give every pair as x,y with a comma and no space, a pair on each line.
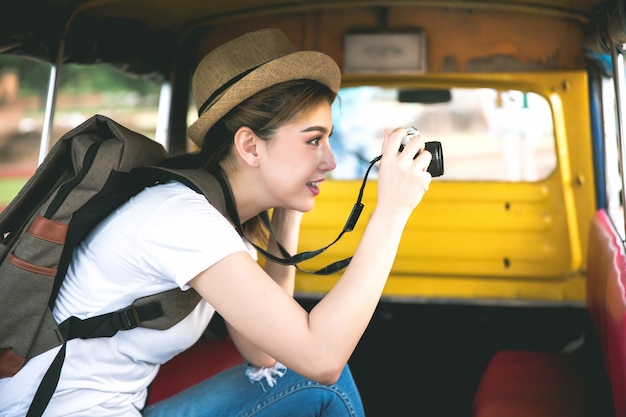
161,239
270,374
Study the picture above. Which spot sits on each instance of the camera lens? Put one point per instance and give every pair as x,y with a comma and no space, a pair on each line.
436,164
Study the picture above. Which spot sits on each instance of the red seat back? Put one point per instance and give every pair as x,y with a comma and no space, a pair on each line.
201,361
606,301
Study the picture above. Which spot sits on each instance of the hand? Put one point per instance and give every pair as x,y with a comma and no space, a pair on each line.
402,180
284,220
286,227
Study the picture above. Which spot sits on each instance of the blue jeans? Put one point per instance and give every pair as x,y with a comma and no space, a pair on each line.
232,393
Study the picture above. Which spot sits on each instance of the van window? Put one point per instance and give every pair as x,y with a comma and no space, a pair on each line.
84,91
486,134
23,87
613,163
92,89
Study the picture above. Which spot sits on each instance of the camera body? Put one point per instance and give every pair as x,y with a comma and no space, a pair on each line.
435,168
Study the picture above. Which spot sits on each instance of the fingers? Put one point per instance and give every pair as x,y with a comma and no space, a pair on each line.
403,175
406,145
393,140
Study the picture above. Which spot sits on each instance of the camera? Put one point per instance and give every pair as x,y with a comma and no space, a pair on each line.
435,168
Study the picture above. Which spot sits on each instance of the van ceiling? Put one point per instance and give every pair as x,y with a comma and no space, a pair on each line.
142,36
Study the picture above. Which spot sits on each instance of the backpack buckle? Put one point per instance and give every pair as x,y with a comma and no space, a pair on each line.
126,318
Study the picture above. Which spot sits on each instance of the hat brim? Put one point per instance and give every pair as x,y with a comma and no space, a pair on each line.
310,65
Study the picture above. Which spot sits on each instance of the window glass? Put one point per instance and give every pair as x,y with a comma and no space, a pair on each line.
486,134
86,90
23,86
614,192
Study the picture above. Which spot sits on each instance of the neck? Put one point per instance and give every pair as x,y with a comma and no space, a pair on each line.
248,202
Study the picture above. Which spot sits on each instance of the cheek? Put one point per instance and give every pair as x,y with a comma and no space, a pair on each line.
292,173
290,177
289,161
280,169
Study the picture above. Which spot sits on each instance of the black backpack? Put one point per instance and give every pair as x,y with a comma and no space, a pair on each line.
86,175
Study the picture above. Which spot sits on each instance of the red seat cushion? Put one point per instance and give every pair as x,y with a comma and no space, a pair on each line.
203,360
528,383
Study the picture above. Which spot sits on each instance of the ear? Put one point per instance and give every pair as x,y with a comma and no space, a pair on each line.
247,145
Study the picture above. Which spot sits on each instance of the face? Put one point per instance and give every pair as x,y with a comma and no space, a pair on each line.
295,162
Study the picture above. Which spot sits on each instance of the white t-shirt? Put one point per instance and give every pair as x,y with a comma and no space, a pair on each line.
159,240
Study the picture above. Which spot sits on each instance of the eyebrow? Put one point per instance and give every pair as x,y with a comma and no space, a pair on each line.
321,129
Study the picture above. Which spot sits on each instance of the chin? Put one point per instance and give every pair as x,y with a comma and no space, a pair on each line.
305,207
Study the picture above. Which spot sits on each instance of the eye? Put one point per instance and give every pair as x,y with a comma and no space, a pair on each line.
315,141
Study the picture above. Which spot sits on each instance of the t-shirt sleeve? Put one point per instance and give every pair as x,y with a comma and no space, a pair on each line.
185,236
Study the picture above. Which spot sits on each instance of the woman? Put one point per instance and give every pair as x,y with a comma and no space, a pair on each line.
264,125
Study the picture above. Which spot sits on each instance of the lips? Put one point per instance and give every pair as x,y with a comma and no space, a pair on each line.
314,186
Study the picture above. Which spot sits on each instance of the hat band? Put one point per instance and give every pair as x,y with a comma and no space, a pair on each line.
220,90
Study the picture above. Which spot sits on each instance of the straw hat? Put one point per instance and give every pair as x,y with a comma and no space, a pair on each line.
246,65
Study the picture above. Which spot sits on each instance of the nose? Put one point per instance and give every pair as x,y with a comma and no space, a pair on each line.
328,161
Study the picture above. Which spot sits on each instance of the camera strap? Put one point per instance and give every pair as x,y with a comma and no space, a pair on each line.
288,259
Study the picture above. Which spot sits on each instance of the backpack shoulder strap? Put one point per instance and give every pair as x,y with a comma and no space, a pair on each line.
198,179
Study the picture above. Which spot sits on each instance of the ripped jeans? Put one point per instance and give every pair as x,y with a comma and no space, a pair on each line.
271,392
